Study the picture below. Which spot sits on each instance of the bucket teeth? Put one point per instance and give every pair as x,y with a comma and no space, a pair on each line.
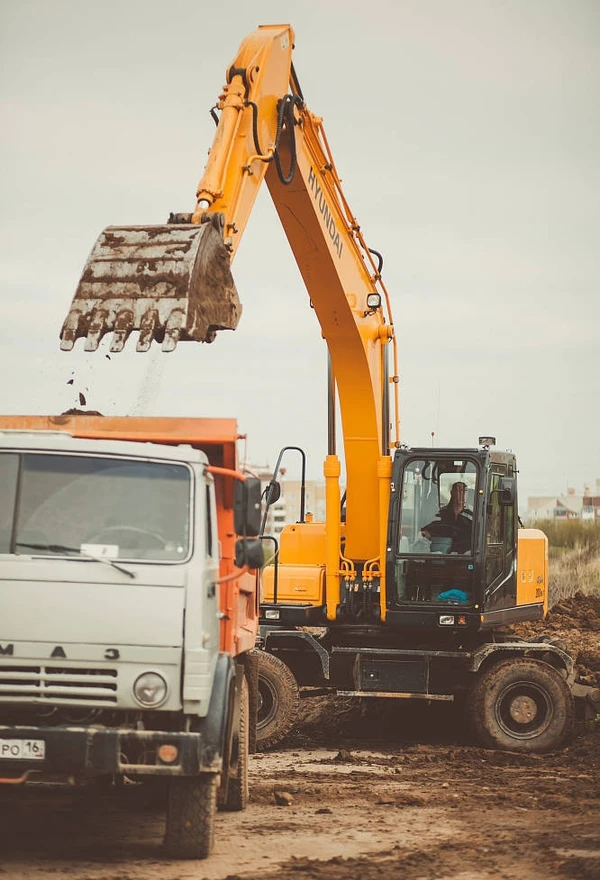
172,331
97,329
147,329
70,330
123,326
171,283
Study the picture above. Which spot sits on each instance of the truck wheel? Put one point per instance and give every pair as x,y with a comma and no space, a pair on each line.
522,705
237,787
278,701
191,809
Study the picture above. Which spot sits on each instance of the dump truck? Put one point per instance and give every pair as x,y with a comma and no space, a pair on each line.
129,611
405,589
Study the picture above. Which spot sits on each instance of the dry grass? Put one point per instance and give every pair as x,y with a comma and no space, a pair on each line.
571,533
572,571
574,558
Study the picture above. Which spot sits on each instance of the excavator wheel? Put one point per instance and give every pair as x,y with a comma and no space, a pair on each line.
522,705
278,701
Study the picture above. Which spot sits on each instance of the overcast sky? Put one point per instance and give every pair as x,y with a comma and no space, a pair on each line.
467,135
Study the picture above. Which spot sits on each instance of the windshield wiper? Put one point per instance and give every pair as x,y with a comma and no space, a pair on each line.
62,548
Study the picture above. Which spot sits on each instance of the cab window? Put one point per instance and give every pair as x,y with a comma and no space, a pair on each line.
437,505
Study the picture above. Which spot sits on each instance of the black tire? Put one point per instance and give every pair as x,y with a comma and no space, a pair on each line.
237,787
522,705
278,701
191,809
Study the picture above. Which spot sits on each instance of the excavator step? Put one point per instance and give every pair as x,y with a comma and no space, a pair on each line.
170,282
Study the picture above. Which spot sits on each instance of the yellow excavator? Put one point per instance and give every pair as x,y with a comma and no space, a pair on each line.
407,587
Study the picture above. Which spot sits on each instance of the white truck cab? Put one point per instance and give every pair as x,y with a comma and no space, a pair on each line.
110,662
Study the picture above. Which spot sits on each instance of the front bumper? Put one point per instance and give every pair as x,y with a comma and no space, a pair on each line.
96,751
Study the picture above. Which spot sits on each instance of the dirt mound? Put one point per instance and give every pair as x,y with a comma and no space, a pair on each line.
576,621
580,610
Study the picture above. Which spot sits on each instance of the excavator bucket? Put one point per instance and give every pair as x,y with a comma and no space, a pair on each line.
169,282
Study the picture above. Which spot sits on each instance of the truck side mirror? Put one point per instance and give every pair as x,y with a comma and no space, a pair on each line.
507,491
249,551
272,492
246,507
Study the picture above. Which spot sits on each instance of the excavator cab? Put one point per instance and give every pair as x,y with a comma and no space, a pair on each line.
453,536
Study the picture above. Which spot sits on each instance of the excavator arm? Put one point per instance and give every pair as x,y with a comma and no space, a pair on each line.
174,282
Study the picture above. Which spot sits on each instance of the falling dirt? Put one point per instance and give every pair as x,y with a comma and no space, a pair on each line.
391,791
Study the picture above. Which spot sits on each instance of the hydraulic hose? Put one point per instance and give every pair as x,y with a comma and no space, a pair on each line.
285,119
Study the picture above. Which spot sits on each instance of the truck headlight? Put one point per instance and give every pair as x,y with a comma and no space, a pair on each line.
150,689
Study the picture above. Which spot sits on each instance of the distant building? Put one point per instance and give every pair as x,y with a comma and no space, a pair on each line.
585,507
286,510
314,499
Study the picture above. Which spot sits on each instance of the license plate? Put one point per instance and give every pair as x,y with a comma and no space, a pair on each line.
22,749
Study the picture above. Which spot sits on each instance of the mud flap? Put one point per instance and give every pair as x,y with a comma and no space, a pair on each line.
169,282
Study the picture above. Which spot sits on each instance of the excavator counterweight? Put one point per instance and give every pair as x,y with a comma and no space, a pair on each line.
169,282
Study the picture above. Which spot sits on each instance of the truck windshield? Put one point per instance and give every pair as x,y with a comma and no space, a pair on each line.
70,505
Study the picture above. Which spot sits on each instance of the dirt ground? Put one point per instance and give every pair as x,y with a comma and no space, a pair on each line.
377,792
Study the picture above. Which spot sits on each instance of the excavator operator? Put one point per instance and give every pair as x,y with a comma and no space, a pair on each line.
451,530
